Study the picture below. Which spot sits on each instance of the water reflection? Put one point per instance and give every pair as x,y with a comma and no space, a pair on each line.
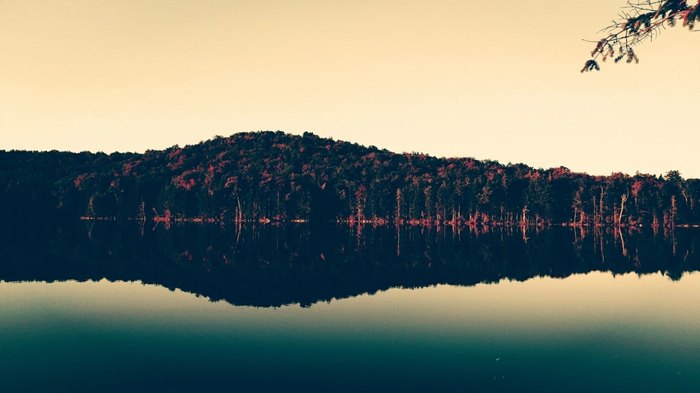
545,334
277,265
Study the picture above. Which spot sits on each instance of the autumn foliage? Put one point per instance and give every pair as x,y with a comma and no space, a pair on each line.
273,176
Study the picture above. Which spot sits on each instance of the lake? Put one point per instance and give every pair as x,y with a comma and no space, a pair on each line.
123,307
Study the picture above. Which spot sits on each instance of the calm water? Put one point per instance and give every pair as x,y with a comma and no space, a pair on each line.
110,307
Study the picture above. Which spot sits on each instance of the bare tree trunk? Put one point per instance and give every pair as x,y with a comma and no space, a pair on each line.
622,240
622,209
601,205
397,219
239,210
596,213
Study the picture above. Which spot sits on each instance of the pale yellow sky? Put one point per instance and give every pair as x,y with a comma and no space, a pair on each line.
492,80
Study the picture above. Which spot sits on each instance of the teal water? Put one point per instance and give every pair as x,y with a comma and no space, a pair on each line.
588,332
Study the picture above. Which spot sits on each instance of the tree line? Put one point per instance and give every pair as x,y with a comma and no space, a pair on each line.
273,176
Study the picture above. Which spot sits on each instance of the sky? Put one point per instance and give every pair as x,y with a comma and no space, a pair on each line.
485,79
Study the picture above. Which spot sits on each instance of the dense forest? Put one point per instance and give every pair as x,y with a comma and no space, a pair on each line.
273,176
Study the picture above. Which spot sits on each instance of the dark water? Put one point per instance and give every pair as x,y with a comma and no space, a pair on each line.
107,307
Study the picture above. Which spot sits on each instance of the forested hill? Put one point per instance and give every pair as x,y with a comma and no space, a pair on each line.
273,176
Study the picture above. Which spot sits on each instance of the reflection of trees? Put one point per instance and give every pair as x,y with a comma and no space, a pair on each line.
274,265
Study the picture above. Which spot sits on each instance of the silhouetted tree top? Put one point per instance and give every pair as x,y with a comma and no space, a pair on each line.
638,21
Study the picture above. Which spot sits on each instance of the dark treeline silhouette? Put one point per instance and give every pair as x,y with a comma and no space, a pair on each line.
273,176
274,265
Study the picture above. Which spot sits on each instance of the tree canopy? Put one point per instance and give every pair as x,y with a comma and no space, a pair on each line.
638,21
280,177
